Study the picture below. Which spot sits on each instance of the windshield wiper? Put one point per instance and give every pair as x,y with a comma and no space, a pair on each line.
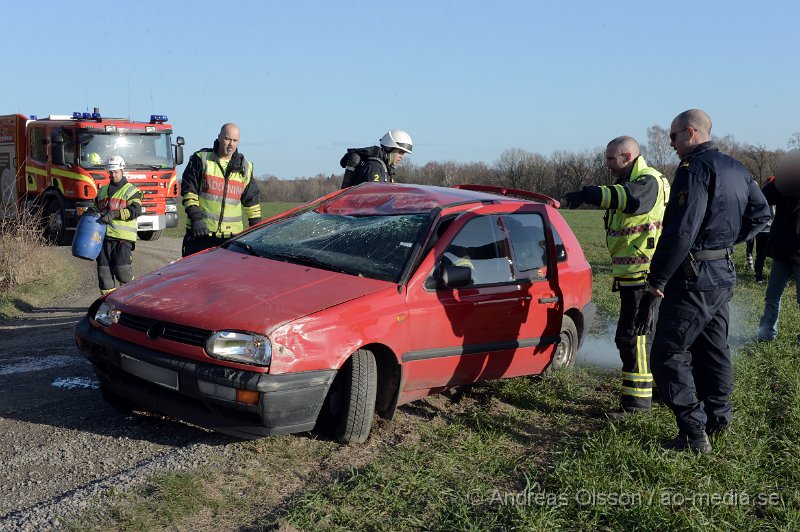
243,245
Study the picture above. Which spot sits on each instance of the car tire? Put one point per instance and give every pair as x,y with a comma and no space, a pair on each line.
150,235
564,356
358,387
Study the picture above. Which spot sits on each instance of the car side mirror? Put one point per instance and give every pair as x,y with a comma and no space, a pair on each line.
456,276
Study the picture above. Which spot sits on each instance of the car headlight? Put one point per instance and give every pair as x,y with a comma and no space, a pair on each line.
240,347
107,314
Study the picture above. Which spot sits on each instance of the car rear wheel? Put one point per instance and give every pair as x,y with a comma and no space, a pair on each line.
150,235
564,357
352,398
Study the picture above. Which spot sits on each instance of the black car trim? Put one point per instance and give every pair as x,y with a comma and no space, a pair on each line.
477,349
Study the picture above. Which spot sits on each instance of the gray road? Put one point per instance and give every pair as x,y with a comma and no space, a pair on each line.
57,435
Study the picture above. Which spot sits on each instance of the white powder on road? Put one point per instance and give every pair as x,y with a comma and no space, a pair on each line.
29,364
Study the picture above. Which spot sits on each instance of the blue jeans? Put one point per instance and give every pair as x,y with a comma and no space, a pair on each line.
779,275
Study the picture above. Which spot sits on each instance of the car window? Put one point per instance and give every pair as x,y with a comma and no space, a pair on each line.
481,246
529,243
561,250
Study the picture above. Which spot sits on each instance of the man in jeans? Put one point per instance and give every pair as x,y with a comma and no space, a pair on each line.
784,241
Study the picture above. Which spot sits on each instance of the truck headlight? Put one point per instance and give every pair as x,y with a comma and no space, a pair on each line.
240,347
171,208
107,314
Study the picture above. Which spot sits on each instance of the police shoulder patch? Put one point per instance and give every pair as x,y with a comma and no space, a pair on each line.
682,198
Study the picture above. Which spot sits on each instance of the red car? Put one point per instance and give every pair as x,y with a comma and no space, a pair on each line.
356,303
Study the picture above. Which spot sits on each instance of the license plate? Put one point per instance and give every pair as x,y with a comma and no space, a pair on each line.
149,372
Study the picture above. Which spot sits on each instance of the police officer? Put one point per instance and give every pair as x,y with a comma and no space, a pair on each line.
376,163
713,205
634,211
119,204
218,191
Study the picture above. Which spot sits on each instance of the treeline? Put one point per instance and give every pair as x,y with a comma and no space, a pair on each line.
554,175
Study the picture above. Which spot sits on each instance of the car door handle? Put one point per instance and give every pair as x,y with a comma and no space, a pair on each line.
554,299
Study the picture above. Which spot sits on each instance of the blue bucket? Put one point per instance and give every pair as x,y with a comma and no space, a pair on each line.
89,236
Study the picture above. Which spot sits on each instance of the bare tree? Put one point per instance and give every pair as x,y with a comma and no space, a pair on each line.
794,141
658,153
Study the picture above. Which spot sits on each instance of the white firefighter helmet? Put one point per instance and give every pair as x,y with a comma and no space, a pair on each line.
397,139
116,162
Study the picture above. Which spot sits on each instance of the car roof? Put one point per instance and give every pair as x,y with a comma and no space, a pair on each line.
395,198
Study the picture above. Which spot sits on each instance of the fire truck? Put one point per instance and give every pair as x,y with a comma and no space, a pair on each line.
56,165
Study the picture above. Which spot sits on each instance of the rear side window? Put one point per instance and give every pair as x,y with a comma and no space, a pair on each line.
481,246
529,243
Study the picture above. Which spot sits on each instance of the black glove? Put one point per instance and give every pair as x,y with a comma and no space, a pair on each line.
575,199
108,216
644,323
198,229
253,221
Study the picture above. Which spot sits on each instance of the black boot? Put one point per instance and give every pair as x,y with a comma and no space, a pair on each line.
690,442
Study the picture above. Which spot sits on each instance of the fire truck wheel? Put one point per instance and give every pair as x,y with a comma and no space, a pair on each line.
54,221
150,235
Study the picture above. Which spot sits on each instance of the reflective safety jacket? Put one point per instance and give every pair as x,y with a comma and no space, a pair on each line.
125,198
633,220
223,193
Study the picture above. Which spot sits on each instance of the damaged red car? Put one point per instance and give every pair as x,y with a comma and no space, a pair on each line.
347,307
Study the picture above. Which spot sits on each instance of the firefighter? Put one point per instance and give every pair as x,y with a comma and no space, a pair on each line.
119,204
635,206
376,163
714,204
219,191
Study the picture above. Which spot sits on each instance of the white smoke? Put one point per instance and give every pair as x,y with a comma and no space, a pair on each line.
600,351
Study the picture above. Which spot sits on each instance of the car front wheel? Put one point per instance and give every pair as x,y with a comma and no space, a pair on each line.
564,357
355,397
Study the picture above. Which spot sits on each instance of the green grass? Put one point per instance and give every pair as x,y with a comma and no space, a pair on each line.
268,209
536,454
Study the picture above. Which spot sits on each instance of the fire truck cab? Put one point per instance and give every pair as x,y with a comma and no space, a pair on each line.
58,165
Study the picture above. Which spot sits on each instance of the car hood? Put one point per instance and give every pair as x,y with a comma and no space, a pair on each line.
222,289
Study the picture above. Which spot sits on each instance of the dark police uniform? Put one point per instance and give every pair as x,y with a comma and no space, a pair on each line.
714,203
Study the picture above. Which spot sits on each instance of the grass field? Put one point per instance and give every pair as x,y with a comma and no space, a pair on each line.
533,454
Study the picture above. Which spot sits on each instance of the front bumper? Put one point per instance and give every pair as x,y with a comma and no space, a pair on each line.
195,392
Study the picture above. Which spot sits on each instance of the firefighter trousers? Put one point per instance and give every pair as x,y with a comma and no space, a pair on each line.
637,381
115,262
691,358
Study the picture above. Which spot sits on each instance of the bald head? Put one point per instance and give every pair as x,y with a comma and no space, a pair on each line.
228,140
688,130
696,119
621,154
625,144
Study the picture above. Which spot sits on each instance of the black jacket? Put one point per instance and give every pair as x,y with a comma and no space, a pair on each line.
373,166
784,235
714,203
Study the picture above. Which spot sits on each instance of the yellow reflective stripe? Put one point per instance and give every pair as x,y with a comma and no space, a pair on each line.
35,170
605,197
190,199
631,282
637,392
641,348
254,211
171,182
76,176
622,198
636,377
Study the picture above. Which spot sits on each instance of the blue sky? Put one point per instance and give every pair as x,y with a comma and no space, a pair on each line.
467,79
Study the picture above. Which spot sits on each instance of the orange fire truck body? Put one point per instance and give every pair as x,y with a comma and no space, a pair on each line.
58,164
